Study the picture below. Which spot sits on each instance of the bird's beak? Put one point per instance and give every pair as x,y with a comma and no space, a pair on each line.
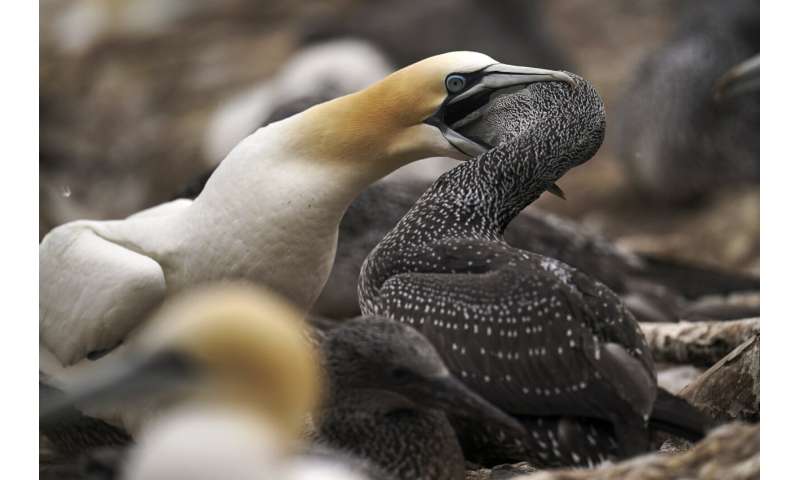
127,380
744,77
453,397
467,107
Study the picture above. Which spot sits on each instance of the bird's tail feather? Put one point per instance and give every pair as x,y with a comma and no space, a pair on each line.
674,415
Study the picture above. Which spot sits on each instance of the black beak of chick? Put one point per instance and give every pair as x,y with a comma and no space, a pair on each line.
453,397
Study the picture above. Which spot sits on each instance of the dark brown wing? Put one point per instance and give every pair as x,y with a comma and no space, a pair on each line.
529,333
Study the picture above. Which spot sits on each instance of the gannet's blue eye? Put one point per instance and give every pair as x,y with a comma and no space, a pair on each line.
455,83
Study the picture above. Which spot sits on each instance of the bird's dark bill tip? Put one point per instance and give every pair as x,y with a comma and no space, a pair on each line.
556,190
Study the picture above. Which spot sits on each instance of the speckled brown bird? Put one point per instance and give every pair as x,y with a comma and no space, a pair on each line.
531,334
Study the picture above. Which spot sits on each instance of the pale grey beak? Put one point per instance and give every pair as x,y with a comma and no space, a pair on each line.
500,76
467,107
453,397
464,144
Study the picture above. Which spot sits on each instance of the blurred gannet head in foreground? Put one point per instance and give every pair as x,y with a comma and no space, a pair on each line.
233,345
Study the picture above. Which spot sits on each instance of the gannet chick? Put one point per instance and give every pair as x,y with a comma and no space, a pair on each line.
654,288
391,401
269,214
689,122
225,349
388,400
528,333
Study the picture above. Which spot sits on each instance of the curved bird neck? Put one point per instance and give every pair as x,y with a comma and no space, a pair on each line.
318,161
487,193
553,130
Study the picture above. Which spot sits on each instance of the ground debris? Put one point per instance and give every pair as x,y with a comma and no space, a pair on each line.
730,390
501,472
674,378
730,452
698,343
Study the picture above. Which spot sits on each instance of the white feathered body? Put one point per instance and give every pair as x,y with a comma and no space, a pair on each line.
271,220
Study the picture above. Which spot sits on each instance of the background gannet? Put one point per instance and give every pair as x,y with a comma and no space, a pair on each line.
519,31
529,333
268,214
689,124
315,74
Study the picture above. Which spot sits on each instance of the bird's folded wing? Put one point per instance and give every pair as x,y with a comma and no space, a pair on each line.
502,314
92,291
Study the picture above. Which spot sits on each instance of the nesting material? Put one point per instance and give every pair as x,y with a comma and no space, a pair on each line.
698,343
731,452
730,390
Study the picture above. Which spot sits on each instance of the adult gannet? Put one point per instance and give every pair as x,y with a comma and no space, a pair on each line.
234,376
527,332
268,214
229,343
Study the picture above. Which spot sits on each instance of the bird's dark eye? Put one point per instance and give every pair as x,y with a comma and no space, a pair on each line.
455,83
401,374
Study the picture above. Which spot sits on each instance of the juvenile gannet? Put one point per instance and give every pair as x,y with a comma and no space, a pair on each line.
388,400
689,122
270,212
654,288
391,401
527,332
233,374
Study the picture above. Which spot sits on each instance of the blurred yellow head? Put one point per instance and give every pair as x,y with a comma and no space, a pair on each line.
250,346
